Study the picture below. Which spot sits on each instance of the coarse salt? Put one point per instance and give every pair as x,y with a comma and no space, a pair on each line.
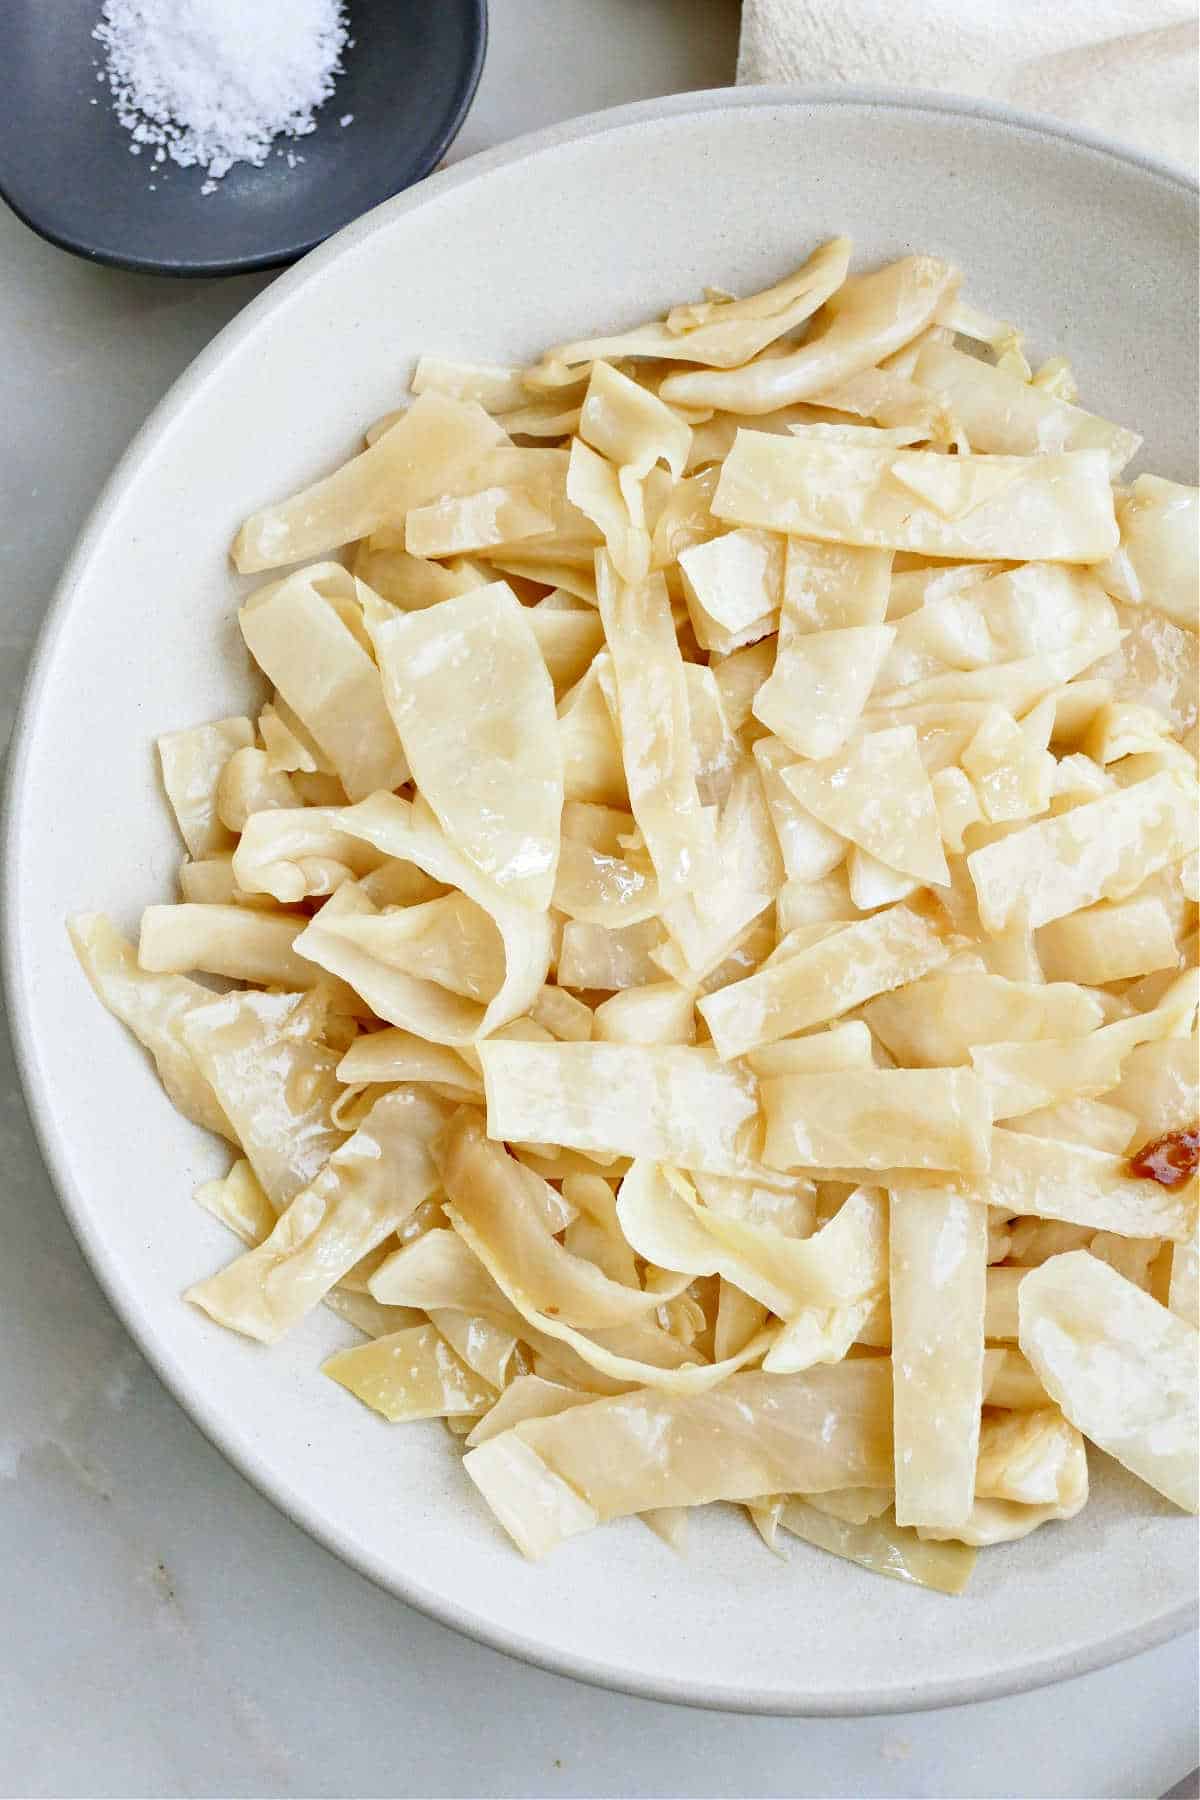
215,82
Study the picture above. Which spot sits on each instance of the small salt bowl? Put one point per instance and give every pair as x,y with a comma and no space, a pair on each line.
73,172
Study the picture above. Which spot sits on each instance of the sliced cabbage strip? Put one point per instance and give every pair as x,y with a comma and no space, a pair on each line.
820,685
299,631
938,1257
1122,1368
671,1103
409,464
755,1434
867,318
1158,562
1103,850
410,1374
882,1546
366,1189
877,794
1021,509
473,704
1047,1179
936,1021
155,1008
1005,416
653,719
828,978
274,1080
191,763
724,333
244,943
397,830
878,1119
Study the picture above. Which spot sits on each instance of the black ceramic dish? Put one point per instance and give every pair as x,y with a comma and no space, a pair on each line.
66,167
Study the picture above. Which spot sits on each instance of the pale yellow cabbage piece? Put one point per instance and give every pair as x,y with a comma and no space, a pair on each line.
246,785
1054,508
1053,1180
1009,766
1006,416
155,1008
593,772
810,850
838,1047
820,685
492,386
274,1081
301,632
878,1119
609,958
397,1055
1158,562
652,717
473,704
877,794
755,1434
882,1546
396,829
239,1202
1121,1367
632,428
568,640
1103,850
830,587
594,486
736,887
725,333
416,459
839,1266
1025,1076
732,585
1109,943
366,1189
460,524
294,853
526,1397
868,318
1156,664
825,980
411,1374
244,943
662,1012
938,1246
191,763
934,1022
449,941
489,1192
1010,1383
1090,1122
1184,1292
669,1103
1159,1085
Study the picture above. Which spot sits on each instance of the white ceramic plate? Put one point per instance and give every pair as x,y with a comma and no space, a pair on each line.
590,225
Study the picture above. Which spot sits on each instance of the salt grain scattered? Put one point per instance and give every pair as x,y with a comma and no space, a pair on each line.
215,82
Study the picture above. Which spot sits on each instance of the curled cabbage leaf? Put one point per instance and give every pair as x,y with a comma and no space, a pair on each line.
868,318
191,763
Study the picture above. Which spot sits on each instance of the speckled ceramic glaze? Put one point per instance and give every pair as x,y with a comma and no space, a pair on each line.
595,224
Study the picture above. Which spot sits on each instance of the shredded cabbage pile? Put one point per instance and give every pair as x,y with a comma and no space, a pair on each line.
708,916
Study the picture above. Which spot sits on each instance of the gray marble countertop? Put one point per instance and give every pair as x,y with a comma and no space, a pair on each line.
167,1632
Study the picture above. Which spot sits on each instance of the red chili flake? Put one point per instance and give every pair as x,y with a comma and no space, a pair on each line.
1171,1159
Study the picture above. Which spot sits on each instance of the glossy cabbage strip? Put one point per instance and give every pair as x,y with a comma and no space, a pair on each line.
369,1186
1122,1368
883,1547
754,1434
878,1119
274,1077
410,1374
938,1256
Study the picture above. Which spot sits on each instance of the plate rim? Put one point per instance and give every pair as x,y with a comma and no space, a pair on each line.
1060,1665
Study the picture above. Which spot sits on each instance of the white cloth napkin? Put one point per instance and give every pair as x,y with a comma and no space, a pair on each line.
1127,68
